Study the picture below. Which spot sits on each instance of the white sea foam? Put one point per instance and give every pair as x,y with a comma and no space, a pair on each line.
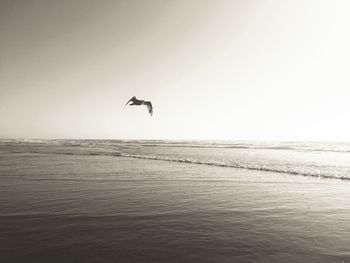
318,159
259,167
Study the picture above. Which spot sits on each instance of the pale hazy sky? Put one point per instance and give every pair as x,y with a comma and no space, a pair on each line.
213,69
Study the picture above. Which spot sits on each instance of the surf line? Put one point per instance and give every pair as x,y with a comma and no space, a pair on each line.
235,165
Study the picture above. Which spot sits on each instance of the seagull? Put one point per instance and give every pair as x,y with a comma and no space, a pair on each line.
137,102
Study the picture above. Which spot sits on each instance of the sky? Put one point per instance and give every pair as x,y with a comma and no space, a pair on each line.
222,70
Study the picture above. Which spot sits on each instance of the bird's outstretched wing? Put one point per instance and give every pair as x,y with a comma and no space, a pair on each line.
130,100
149,107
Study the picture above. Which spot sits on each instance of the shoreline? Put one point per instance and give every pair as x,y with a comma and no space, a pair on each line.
135,210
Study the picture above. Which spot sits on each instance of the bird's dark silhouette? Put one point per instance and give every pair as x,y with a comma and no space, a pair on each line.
137,102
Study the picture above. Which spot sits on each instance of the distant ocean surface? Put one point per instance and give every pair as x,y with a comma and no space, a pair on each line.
319,159
174,201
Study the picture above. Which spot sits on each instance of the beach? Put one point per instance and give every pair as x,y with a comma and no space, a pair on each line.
76,203
174,131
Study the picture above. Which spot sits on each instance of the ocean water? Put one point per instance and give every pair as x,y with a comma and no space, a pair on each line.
318,159
174,201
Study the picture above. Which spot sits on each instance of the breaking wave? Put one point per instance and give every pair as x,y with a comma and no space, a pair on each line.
249,166
317,159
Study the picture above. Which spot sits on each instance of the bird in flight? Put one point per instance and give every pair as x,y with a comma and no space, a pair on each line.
137,102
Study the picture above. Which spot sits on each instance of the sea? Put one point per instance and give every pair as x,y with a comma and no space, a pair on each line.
174,201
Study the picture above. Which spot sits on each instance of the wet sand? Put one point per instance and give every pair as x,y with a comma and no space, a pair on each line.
68,208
